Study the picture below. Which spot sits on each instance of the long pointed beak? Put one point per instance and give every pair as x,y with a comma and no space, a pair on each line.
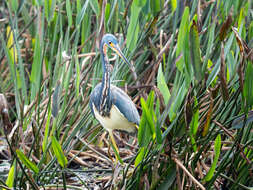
119,52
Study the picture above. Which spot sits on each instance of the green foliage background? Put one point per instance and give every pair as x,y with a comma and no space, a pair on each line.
192,83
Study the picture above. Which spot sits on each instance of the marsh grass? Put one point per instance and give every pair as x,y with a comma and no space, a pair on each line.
191,81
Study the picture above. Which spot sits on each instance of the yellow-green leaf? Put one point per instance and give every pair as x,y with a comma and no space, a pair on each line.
148,116
162,86
173,5
29,164
217,147
45,139
140,156
195,52
11,176
182,33
11,45
156,6
58,152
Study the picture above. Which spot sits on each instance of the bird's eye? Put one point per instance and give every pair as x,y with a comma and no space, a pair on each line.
110,43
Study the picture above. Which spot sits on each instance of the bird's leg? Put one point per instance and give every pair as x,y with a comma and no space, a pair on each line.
114,145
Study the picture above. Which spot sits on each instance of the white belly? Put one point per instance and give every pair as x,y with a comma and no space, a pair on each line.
115,121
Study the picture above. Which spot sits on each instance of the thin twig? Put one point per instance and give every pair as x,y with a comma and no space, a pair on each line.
188,173
94,150
77,159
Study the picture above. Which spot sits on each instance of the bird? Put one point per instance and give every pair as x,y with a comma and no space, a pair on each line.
110,105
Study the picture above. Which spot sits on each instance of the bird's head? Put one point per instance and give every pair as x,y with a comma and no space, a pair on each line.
111,41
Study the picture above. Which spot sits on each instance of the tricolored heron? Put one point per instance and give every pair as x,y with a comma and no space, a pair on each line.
110,105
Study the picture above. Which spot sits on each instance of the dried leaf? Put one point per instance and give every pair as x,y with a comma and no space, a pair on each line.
239,40
241,64
244,48
224,86
208,117
5,114
225,27
55,101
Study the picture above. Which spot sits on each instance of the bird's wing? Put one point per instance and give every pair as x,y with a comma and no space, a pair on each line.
94,97
124,104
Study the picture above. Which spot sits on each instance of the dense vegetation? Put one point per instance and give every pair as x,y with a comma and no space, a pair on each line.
191,82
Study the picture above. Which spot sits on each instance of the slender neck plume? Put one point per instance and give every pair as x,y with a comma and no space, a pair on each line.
105,87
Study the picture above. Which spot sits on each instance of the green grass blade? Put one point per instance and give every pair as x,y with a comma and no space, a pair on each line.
148,116
194,128
140,156
30,165
69,12
45,139
156,6
181,37
217,147
95,7
36,68
107,12
77,77
144,132
173,5
194,123
195,52
158,130
11,175
209,46
14,5
133,28
58,152
248,85
212,76
11,45
80,15
162,86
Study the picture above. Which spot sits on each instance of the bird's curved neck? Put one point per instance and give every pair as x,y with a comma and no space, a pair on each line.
105,101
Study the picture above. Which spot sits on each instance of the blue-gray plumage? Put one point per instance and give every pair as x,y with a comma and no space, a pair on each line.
110,105
121,100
